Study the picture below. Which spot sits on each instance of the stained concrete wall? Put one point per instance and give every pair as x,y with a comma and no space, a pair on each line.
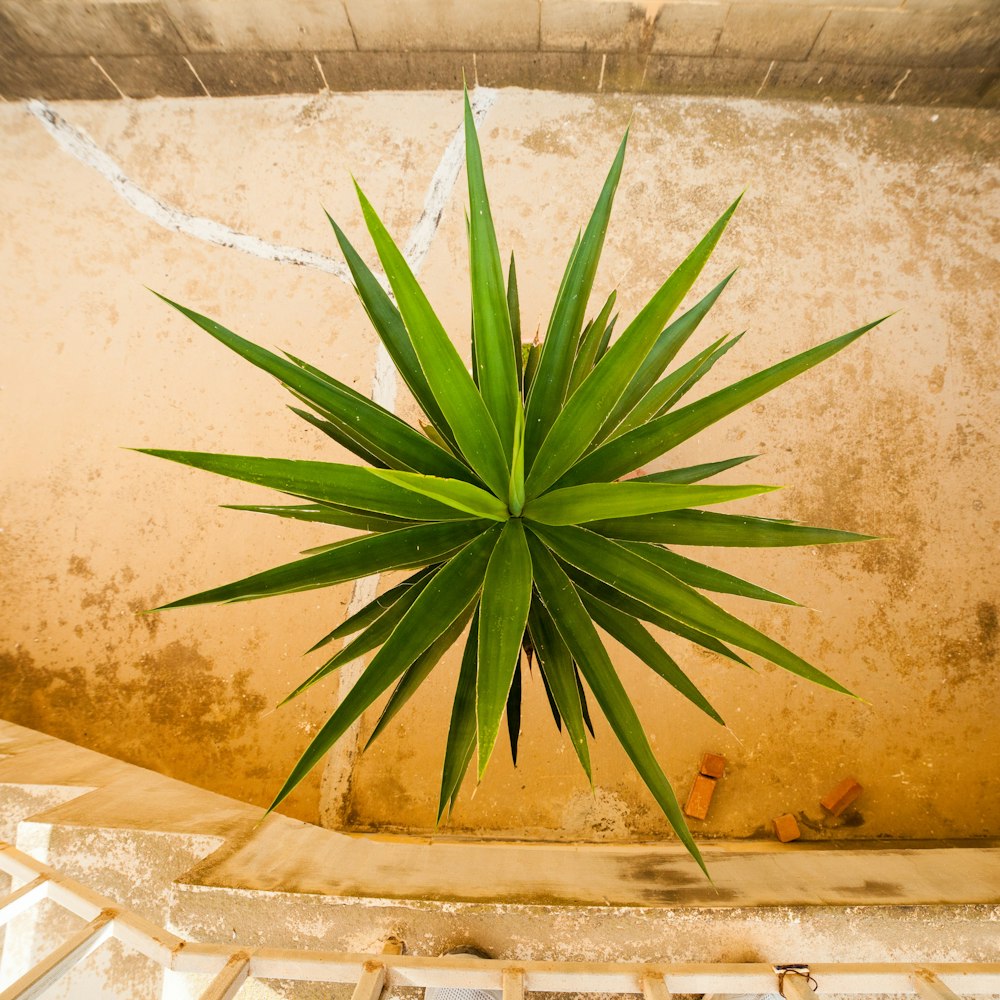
904,51
851,213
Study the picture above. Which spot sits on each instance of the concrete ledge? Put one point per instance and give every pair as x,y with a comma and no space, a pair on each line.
272,46
278,854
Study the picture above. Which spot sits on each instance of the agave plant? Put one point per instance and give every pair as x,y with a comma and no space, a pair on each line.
509,503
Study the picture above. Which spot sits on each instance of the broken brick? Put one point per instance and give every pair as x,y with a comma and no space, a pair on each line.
836,801
786,828
700,798
713,765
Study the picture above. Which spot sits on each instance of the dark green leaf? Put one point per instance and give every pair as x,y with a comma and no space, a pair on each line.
621,455
341,434
432,614
458,495
492,332
462,728
514,713
693,473
590,341
419,545
506,597
632,635
641,579
449,380
559,346
514,311
327,514
578,632
600,501
703,527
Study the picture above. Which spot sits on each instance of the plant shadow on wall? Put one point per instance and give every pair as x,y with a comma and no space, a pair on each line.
509,503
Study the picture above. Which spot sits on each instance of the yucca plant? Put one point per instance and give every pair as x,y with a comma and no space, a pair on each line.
509,503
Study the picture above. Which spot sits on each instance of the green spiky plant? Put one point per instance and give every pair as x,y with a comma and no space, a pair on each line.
509,504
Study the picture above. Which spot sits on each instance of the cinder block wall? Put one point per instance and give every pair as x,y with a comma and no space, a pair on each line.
906,51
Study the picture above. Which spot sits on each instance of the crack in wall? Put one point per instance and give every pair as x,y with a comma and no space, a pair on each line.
76,142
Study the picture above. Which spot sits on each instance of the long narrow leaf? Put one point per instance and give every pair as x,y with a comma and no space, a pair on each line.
392,332
704,577
556,664
403,549
601,501
583,415
559,347
450,382
663,351
346,485
374,423
514,311
704,527
491,319
504,607
694,473
634,636
432,614
628,452
321,513
462,727
342,435
578,632
458,495
698,374
643,580
586,356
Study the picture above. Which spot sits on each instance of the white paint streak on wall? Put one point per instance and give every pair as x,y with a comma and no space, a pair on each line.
79,145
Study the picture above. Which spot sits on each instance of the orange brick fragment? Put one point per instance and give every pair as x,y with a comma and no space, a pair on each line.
836,801
713,765
700,798
786,829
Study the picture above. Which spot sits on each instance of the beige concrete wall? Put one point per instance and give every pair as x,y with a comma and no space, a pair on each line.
906,51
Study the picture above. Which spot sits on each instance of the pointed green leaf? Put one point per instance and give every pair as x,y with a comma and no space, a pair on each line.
641,579
419,670
392,332
322,513
634,636
703,527
559,346
693,473
491,320
621,455
450,382
504,607
586,356
456,494
432,614
514,311
600,501
373,423
699,373
574,623
703,577
663,351
583,415
346,485
556,665
462,727
531,366
342,435
515,499
402,549
637,609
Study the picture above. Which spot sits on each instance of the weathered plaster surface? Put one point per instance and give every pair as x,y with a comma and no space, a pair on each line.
851,212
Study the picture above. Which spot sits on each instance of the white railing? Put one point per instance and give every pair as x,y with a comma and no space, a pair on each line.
232,966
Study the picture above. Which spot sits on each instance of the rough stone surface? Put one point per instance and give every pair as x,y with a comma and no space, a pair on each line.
768,31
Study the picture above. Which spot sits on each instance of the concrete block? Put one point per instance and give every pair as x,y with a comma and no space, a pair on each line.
838,799
770,31
227,74
566,71
700,798
704,75
713,765
152,76
813,80
445,25
689,29
903,39
262,25
358,71
61,27
594,25
786,828
55,78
